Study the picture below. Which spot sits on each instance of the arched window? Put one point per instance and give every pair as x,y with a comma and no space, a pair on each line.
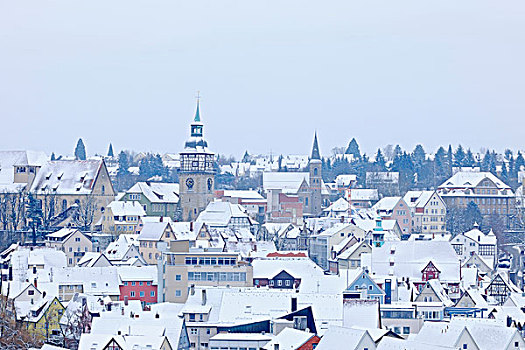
103,189
315,171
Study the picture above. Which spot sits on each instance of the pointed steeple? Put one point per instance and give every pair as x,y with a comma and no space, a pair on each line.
197,112
315,149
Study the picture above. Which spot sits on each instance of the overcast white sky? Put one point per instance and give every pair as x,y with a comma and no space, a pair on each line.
270,73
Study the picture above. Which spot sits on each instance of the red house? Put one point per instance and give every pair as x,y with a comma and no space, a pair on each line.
138,283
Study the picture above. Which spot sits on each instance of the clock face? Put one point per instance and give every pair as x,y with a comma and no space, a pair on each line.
210,184
189,183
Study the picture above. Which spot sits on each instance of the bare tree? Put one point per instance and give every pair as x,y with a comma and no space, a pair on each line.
49,207
75,321
85,212
16,209
13,336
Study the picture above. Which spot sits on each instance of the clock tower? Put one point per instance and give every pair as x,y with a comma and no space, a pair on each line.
197,173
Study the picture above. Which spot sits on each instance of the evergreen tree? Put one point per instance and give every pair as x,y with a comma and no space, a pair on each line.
472,215
519,162
246,157
419,156
80,150
34,215
504,175
110,151
353,149
397,151
485,162
450,161
469,159
380,162
440,166
459,157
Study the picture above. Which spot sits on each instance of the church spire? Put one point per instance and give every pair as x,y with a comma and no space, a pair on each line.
197,112
315,149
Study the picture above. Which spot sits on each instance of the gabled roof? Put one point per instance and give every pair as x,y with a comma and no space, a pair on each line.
289,338
476,235
152,231
288,182
298,267
410,257
157,192
122,208
342,338
467,179
10,159
386,204
418,199
219,213
67,177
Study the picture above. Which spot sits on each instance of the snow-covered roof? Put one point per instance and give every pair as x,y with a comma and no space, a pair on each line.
134,273
157,192
67,177
219,213
131,208
364,194
10,159
340,205
386,204
117,249
62,233
342,338
243,194
345,180
301,268
289,339
288,182
152,231
476,235
417,199
411,257
363,313
470,179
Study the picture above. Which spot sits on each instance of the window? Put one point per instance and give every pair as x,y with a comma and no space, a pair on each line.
406,330
140,283
149,283
178,293
152,293
177,277
141,294
193,331
132,294
132,283
30,292
465,346
125,283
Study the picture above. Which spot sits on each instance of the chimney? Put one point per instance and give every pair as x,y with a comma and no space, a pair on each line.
192,289
388,291
191,226
126,300
10,277
294,304
204,297
35,283
161,219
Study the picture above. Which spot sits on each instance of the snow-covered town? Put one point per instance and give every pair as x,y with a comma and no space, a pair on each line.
295,262
262,175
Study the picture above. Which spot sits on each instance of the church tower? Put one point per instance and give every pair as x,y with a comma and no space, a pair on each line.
316,180
196,174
